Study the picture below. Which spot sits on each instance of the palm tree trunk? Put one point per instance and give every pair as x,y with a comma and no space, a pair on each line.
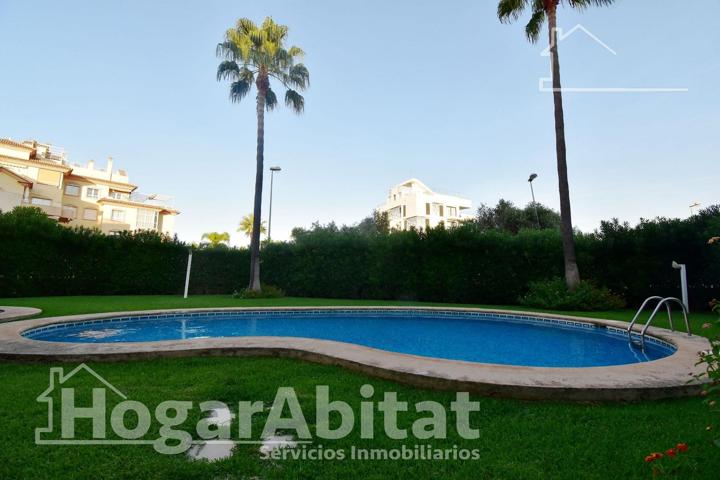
254,285
572,274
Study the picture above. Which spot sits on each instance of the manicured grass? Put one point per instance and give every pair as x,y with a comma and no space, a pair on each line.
518,439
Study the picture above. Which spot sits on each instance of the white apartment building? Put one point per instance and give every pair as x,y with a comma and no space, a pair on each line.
38,174
412,204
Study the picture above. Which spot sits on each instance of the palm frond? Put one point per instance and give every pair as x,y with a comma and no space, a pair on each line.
228,70
247,75
226,50
239,89
296,52
270,100
534,26
275,32
299,76
583,4
295,101
245,25
510,10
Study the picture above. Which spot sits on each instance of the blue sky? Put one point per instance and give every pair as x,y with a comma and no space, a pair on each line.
438,90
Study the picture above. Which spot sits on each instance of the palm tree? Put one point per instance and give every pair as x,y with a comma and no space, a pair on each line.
215,239
257,54
247,225
509,11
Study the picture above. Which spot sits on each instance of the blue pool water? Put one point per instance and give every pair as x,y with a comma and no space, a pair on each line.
475,337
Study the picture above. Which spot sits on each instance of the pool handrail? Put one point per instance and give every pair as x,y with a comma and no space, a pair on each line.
663,301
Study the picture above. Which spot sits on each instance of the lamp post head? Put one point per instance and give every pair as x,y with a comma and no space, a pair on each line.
275,169
533,176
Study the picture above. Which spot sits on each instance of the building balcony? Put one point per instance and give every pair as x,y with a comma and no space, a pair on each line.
51,209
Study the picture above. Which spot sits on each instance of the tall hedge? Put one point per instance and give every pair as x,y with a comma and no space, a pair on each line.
469,265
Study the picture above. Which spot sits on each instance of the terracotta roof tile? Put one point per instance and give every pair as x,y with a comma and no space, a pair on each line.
13,143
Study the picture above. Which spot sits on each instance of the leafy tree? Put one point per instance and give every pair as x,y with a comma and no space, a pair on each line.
505,216
256,54
247,225
541,10
372,225
216,239
376,224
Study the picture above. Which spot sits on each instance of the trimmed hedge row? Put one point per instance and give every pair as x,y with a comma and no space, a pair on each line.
39,257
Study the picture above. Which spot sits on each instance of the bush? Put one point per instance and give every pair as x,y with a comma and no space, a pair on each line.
554,295
711,358
266,291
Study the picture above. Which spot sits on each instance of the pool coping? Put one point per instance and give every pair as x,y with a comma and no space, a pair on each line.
9,314
667,377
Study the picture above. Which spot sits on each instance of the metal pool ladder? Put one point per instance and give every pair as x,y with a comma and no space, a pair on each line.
662,301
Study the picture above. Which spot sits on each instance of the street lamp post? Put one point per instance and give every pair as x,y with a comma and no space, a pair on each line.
530,180
272,173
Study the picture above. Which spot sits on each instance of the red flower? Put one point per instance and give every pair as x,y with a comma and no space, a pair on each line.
653,456
649,458
682,447
670,453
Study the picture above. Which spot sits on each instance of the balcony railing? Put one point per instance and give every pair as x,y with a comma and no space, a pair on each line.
154,199
53,209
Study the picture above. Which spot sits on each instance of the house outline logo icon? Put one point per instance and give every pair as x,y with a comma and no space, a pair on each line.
57,378
545,83
577,28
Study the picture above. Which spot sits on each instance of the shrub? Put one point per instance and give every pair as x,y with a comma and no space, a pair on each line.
267,291
554,295
711,359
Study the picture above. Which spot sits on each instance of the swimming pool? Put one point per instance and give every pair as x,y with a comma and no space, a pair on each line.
494,338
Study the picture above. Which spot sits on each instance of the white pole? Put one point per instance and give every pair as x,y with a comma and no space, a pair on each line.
187,274
683,285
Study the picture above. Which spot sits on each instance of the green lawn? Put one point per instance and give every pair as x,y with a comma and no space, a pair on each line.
518,439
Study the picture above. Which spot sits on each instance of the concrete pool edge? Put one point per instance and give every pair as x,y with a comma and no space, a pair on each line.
9,314
664,378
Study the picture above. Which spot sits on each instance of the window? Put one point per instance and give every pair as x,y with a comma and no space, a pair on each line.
442,211
40,201
90,214
147,219
118,215
427,223
452,211
92,192
427,209
118,195
404,211
68,211
72,190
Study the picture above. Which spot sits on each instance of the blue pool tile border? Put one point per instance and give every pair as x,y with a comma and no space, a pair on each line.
491,316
